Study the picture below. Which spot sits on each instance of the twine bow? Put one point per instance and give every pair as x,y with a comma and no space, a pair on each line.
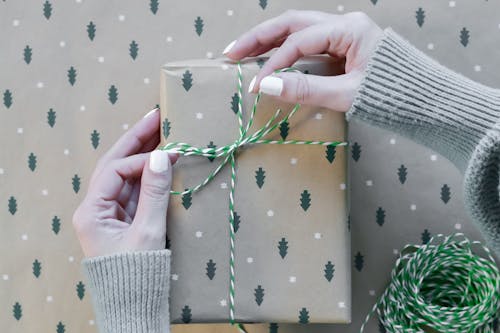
228,152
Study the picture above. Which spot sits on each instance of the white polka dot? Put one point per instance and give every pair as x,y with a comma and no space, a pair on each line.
62,43
270,213
224,67
199,234
452,3
20,130
146,80
169,39
5,277
413,207
45,192
392,141
340,8
369,183
24,237
293,161
15,23
210,55
121,17
430,46
49,299
371,292
82,108
39,85
395,251
125,127
229,12
223,302
341,305
249,260
318,116
433,157
458,226
175,277
91,322
66,152
223,185
1,171
477,68
199,115
100,59
317,235
342,186
71,259
292,279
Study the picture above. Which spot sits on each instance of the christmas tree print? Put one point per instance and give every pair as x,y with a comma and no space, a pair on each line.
284,127
259,295
380,216
356,151
198,25
374,2
260,62
56,225
234,103
211,145
47,9
51,118
420,15
464,36
166,128
7,98
72,75
283,247
263,4
330,153
402,172
12,205
305,200
273,328
94,138
112,94
236,222
37,268
186,314
153,5
304,316
260,175
426,236
17,311
211,269
186,200
80,290
358,261
27,54
76,183
133,49
445,193
329,270
60,328
91,30
187,80
32,162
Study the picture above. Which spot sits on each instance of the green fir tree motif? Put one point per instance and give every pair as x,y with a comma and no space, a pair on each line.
76,183
47,9
260,62
283,247
211,269
263,4
234,103
72,75
358,261
260,176
186,199
198,25
304,316
60,328
32,162
7,98
356,151
56,225
445,193
186,314
91,30
51,118
94,139
17,311
187,80
80,290
420,16
402,173
28,52
284,128
112,94
426,236
374,2
236,222
133,49
464,36
330,153
153,6
166,128
211,145
273,328
329,271
259,295
380,216
37,268
12,205
305,200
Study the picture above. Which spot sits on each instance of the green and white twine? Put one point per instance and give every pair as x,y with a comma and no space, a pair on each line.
228,153
441,286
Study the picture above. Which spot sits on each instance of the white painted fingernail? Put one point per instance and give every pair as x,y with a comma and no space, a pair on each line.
159,160
151,112
252,83
229,47
271,85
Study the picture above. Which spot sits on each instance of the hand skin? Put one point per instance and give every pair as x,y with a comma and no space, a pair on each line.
350,38
125,207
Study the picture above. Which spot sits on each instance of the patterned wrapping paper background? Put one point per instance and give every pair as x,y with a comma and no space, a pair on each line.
67,92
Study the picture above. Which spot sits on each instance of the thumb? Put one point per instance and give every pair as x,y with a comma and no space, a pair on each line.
333,92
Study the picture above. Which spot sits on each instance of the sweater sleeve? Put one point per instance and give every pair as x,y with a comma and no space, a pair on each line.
130,291
407,92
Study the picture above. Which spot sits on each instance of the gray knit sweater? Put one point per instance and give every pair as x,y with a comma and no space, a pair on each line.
404,91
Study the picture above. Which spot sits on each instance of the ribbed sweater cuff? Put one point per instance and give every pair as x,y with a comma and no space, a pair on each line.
130,291
407,92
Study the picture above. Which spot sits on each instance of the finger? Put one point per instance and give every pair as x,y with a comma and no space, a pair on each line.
269,32
131,205
152,143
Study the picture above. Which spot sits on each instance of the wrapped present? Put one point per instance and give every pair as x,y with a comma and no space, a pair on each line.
278,249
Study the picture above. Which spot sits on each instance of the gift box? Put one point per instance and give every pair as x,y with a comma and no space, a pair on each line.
291,225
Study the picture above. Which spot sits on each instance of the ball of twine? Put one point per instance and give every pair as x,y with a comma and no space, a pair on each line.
441,286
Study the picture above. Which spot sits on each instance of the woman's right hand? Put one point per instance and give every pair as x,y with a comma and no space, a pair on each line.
352,36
